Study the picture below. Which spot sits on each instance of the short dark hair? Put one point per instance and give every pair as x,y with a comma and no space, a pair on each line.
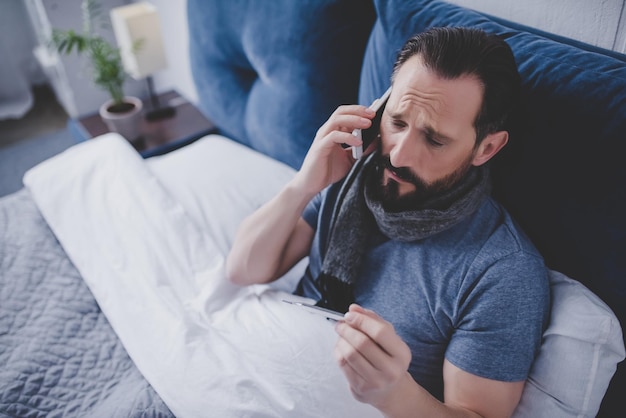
452,52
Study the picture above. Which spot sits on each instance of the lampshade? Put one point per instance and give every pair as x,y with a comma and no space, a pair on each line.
139,22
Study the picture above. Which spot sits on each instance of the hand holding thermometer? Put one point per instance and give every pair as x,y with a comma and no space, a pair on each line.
369,134
330,315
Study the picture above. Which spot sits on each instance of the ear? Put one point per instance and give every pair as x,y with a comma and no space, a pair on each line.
490,147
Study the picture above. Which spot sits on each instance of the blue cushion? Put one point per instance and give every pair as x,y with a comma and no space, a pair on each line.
563,175
270,76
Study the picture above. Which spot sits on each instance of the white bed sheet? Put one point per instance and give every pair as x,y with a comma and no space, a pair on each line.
150,239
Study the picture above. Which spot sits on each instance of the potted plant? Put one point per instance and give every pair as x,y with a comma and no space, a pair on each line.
121,113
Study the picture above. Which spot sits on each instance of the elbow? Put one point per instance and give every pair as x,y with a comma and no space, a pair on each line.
237,279
234,273
238,274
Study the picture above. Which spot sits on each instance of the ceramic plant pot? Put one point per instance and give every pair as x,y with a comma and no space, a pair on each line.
124,118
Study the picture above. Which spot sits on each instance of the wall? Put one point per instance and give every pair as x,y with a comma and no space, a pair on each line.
173,17
27,24
597,22
71,76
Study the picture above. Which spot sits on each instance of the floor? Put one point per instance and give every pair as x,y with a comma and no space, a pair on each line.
27,141
46,116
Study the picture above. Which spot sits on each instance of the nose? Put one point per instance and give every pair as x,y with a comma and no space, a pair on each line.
402,153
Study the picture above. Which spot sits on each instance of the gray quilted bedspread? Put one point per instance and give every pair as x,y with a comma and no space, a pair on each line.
58,354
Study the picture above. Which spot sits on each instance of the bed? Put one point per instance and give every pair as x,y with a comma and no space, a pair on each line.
113,299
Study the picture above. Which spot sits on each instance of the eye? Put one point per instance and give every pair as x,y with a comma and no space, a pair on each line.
433,141
398,124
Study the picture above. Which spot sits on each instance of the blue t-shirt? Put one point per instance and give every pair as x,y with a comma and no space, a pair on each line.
476,294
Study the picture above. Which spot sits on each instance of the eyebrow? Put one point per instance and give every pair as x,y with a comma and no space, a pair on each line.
429,130
438,135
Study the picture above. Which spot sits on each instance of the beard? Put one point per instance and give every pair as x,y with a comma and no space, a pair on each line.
389,195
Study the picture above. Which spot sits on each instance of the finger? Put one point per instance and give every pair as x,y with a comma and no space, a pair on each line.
360,351
341,117
344,123
346,138
346,357
350,358
355,380
358,308
372,146
380,331
359,110
367,372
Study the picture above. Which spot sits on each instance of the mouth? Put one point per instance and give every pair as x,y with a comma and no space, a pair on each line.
394,175
400,175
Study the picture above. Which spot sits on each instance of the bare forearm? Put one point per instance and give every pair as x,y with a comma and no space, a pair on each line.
271,240
375,360
260,246
411,400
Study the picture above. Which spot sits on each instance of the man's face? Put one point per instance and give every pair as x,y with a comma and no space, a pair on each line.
427,132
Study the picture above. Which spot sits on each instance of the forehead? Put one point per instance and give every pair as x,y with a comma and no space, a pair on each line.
414,83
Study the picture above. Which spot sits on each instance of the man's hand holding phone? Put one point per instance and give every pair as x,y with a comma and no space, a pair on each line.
350,126
329,158
369,135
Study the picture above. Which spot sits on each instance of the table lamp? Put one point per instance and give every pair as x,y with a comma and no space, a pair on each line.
138,35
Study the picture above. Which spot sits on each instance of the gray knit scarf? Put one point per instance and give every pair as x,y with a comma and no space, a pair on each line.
356,212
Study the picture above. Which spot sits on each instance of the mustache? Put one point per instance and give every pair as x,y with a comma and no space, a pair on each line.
403,173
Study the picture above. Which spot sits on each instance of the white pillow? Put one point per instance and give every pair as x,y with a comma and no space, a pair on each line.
219,182
578,355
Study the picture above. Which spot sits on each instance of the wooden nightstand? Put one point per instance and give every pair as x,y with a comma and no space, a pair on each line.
159,136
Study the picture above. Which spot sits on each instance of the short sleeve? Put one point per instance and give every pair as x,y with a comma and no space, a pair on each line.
500,318
312,210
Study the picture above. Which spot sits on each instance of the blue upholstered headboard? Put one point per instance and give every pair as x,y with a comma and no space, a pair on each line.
270,76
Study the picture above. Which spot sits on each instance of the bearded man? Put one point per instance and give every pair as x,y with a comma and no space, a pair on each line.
446,298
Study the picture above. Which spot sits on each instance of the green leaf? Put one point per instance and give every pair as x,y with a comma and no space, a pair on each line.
105,59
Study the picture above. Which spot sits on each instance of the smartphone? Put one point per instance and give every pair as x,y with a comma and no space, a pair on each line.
329,314
369,135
